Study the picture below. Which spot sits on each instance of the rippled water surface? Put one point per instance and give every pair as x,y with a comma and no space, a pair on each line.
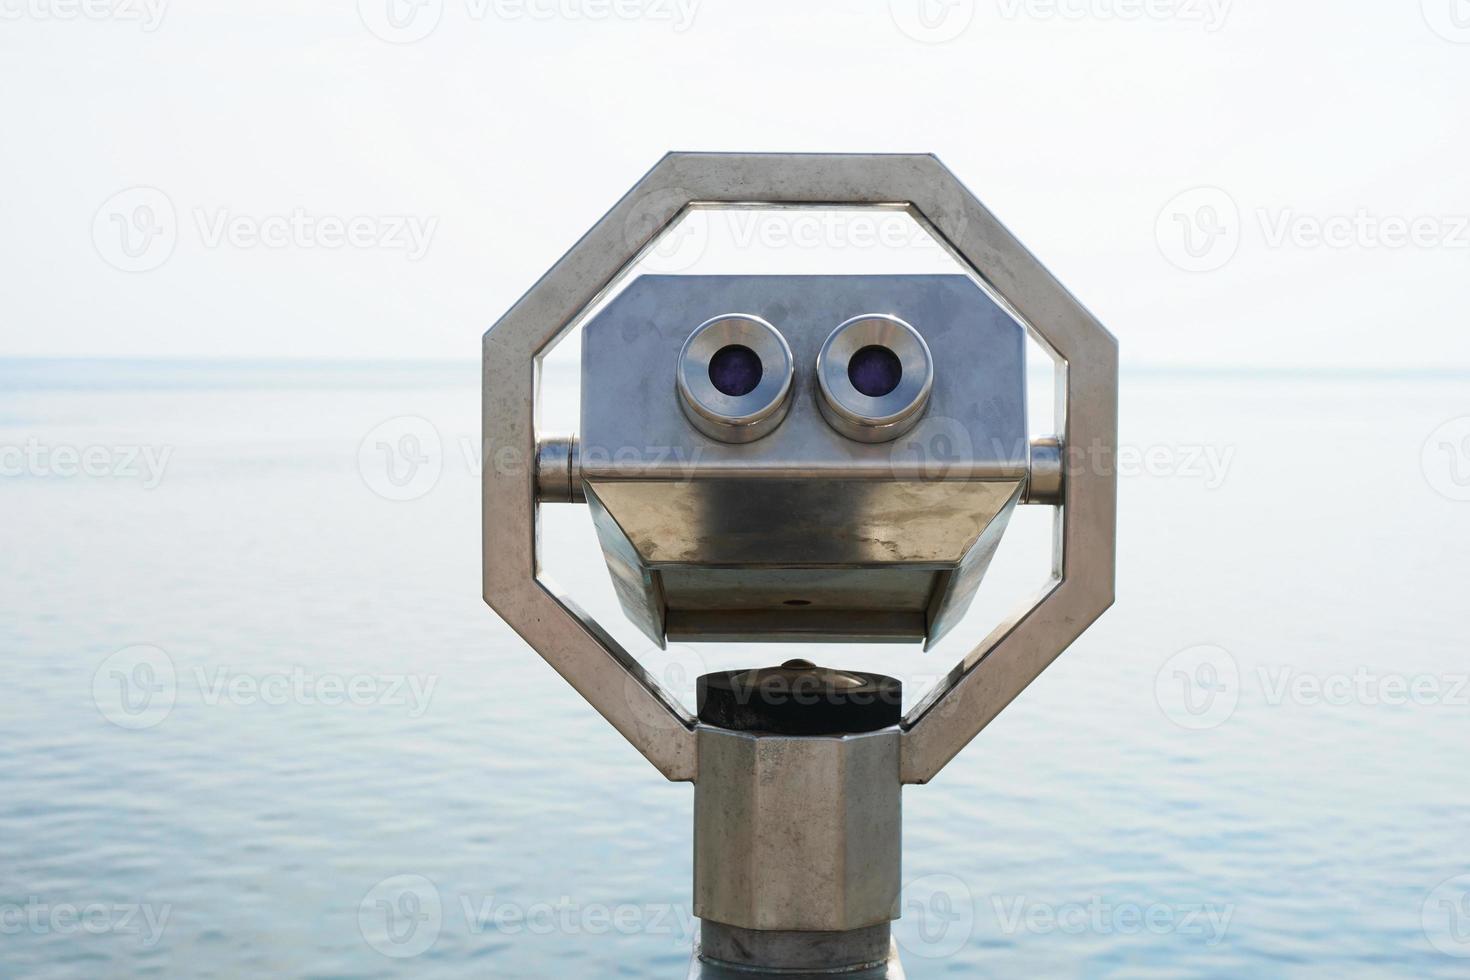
248,698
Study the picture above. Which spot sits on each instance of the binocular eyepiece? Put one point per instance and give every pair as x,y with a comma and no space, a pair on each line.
873,373
735,378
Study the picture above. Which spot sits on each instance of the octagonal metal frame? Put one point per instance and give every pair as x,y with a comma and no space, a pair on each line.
1007,660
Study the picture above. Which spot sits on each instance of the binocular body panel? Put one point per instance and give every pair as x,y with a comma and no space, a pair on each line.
806,531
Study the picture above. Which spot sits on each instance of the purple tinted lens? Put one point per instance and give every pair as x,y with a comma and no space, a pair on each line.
735,370
875,371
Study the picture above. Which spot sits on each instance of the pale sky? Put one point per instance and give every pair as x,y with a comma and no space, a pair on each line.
1320,150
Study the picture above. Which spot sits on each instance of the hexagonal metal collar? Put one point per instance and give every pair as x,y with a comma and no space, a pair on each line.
1006,661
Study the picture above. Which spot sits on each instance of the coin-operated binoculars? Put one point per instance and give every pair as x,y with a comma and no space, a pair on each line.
742,451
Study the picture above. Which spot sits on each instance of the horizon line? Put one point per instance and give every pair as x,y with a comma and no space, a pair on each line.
382,362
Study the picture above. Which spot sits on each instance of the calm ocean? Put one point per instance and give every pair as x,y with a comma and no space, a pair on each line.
257,722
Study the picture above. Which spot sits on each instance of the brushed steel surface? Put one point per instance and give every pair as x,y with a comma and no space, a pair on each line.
638,588
809,560
823,523
632,427
814,497
558,480
1044,484
797,834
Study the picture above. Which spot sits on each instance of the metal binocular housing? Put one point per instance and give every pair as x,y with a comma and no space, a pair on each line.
801,458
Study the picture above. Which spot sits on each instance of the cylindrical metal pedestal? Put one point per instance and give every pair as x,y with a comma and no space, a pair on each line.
797,838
